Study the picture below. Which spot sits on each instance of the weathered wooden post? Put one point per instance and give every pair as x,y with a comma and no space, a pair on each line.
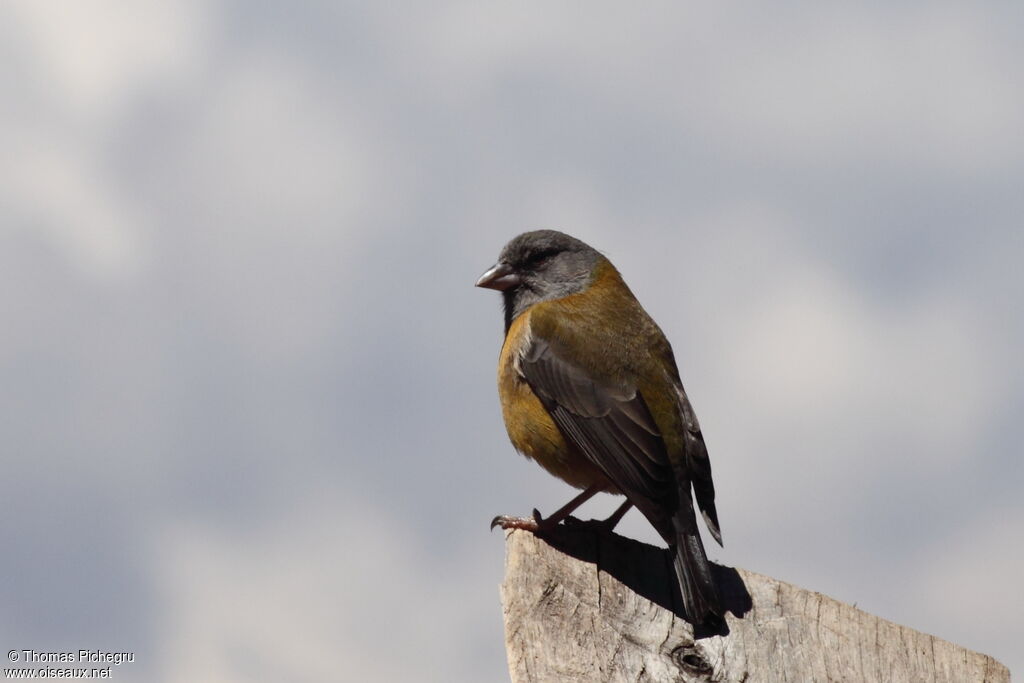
582,605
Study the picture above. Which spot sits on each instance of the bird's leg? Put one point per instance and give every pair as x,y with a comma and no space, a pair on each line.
616,517
537,523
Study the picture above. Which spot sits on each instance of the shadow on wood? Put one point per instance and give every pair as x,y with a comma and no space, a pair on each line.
584,605
644,569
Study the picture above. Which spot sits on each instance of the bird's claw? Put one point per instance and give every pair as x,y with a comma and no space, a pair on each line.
534,523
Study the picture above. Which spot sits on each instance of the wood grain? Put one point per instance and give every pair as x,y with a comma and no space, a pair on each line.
582,605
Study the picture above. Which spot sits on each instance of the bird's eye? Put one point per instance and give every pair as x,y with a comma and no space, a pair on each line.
541,257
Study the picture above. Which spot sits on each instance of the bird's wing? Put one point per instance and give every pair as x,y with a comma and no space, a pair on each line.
611,425
698,464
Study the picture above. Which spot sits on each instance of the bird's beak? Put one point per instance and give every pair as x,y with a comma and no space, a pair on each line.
500,277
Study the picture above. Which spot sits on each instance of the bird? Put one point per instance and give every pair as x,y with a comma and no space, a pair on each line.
590,390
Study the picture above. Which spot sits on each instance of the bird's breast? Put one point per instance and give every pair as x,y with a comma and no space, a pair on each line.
529,425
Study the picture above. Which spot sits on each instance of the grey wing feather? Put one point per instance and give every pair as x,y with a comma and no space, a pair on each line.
699,465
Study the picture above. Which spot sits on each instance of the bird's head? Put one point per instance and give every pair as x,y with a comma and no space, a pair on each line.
540,266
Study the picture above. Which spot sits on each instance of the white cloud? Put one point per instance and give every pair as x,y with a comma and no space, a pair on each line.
81,65
924,85
270,143
801,349
969,582
276,177
61,193
92,56
811,350
605,45
335,590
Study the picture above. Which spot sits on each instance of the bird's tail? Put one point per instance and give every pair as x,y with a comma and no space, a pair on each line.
700,596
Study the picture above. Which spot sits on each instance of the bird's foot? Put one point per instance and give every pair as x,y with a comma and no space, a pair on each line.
535,523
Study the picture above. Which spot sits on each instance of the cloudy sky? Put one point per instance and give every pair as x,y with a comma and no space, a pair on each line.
250,429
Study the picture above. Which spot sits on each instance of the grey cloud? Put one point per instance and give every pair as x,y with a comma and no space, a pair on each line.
244,367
